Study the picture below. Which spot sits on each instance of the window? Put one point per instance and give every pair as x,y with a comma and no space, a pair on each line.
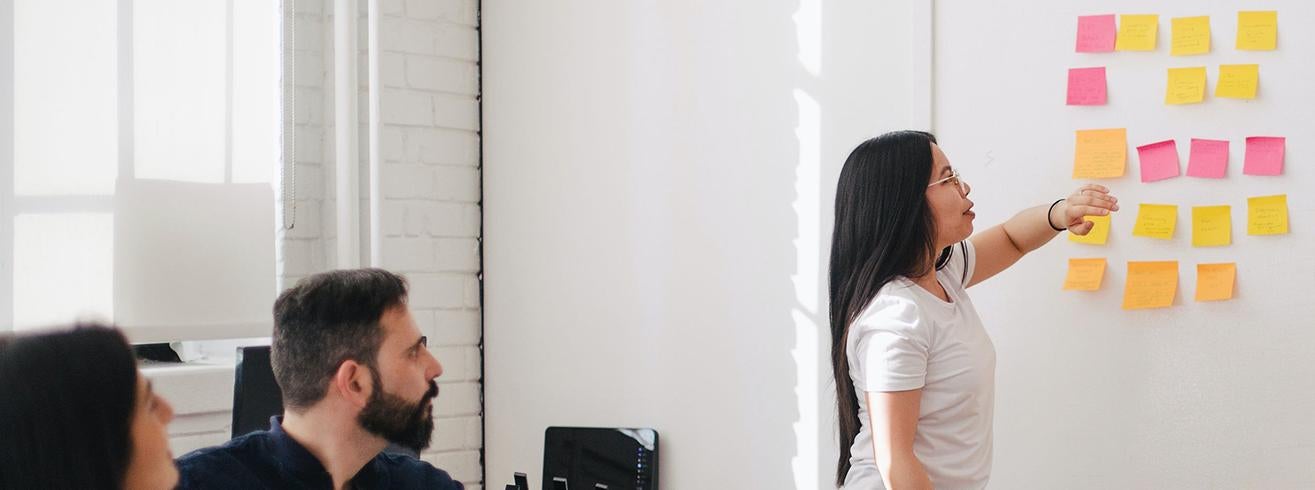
147,143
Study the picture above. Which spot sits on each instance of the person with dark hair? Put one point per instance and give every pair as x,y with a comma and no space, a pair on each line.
914,368
356,375
75,413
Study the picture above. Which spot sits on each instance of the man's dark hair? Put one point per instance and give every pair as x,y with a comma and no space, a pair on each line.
324,320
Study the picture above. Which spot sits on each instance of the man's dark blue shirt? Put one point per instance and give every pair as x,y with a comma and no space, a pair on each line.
272,459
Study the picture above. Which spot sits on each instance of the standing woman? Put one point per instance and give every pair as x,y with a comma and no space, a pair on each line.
914,368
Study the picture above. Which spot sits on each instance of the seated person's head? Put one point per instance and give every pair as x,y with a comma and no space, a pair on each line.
76,413
345,345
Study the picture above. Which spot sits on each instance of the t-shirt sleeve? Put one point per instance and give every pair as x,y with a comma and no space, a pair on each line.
963,259
892,346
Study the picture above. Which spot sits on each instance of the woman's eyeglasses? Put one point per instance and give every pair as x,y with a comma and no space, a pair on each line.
956,178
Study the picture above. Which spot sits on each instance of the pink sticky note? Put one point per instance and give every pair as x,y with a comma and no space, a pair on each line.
1086,86
1264,155
1159,161
1096,33
1208,159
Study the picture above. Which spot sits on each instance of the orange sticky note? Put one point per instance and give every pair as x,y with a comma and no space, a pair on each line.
1267,215
1214,282
1150,285
1238,81
1191,35
1212,226
1257,30
1099,234
1100,153
1137,32
1156,221
1084,274
1185,86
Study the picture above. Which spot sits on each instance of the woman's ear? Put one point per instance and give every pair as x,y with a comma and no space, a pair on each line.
352,382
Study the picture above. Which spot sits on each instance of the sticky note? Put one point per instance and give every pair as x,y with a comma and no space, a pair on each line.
1257,30
1185,86
1150,285
1096,33
1267,215
1264,155
1100,153
1158,160
1099,234
1084,274
1214,282
1086,86
1208,159
1137,32
1156,221
1238,81
1190,35
1212,226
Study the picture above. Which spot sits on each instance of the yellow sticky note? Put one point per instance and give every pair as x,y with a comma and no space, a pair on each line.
1238,81
1212,226
1185,85
1267,215
1191,35
1137,32
1156,221
1100,153
1084,274
1214,282
1150,285
1099,234
1257,31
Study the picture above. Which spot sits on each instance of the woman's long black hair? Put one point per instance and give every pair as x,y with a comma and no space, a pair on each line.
66,408
884,229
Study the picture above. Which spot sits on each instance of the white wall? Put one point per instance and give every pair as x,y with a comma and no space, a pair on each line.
658,183
430,219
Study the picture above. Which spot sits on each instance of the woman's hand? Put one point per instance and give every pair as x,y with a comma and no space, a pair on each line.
1088,200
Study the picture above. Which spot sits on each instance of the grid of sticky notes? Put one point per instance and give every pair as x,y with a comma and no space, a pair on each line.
1189,36
1103,153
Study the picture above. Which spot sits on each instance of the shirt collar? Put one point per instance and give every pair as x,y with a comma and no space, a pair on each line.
300,465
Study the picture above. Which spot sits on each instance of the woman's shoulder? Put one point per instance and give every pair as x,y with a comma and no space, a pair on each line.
895,306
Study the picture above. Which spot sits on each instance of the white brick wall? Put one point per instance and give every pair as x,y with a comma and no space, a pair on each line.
430,185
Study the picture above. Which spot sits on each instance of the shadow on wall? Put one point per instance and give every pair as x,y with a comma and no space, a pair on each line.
657,217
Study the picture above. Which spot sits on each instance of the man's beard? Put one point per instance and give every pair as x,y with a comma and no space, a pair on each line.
398,421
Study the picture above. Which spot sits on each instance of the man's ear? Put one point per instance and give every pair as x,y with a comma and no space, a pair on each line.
353,383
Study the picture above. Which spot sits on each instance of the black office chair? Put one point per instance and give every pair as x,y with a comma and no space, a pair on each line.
257,397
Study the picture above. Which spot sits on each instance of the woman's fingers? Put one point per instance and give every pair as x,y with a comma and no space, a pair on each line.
1082,228
1098,200
1077,211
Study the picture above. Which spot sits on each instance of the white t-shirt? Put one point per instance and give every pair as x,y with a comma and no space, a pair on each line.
908,338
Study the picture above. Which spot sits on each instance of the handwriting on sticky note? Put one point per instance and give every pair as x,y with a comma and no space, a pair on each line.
1267,215
1208,159
1257,30
1212,226
1137,32
1150,285
1156,221
1096,33
1264,155
1086,86
1099,234
1084,274
1238,81
1190,35
1100,153
1185,85
1158,160
1214,282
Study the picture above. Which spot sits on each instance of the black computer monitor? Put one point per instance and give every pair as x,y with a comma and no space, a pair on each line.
621,458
